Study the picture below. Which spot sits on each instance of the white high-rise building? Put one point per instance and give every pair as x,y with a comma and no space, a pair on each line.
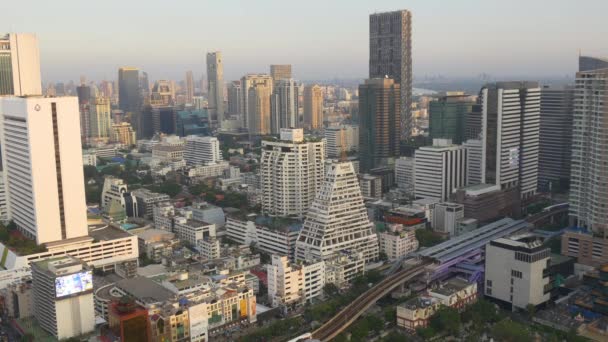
440,169
284,106
19,65
337,220
42,158
215,82
341,139
291,172
202,150
589,178
475,171
404,174
285,283
510,135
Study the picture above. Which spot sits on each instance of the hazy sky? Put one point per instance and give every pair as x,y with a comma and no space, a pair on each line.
320,38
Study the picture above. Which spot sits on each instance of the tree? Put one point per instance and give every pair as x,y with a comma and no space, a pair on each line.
375,323
531,309
330,289
426,333
446,319
390,315
427,237
396,337
360,330
509,331
382,256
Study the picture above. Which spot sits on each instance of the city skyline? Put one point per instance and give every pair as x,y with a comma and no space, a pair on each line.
193,29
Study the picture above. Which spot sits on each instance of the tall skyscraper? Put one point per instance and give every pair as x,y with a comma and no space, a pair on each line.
128,89
390,55
235,93
291,172
84,107
556,111
337,220
440,170
42,158
256,111
284,105
510,135
19,65
589,179
588,63
189,87
100,119
313,107
447,116
215,80
379,122
280,71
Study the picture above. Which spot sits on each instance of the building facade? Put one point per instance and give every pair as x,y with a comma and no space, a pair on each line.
447,117
19,65
128,89
202,150
285,105
313,107
439,170
215,83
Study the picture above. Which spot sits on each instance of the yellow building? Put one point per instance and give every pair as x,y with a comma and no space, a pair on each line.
124,134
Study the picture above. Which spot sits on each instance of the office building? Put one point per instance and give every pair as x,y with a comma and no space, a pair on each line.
584,247
215,84
390,55
511,130
398,241
128,89
234,98
280,71
588,63
379,122
256,112
19,65
446,217
189,87
488,202
516,271
202,150
342,140
100,120
42,160
146,200
124,134
313,107
588,190
556,113
337,220
291,170
474,161
404,174
447,116
440,170
285,106
192,231
63,297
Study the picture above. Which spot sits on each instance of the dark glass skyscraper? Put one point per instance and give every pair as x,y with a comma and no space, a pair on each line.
379,118
447,117
390,55
128,89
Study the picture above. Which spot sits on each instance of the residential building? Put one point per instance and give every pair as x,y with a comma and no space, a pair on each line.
285,106
446,217
379,122
192,231
291,170
556,115
128,89
341,140
447,116
285,282
84,107
398,241
390,55
337,219
516,271
404,174
63,297
235,93
163,213
416,313
124,134
170,149
371,186
19,298
215,83
202,150
209,248
189,87
146,200
163,94
589,173
156,244
100,120
207,171
313,107
42,160
511,130
274,235
19,65
280,71
255,108
439,169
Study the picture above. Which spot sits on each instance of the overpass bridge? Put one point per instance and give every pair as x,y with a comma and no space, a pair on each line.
354,310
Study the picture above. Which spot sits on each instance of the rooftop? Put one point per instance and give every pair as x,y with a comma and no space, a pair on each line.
452,286
419,303
108,232
145,290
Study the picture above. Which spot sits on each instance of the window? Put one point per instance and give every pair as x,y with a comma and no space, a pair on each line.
488,291
516,274
488,283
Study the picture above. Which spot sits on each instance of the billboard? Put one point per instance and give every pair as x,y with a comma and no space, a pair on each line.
73,284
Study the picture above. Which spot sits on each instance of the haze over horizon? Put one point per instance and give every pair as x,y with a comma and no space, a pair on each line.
322,40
